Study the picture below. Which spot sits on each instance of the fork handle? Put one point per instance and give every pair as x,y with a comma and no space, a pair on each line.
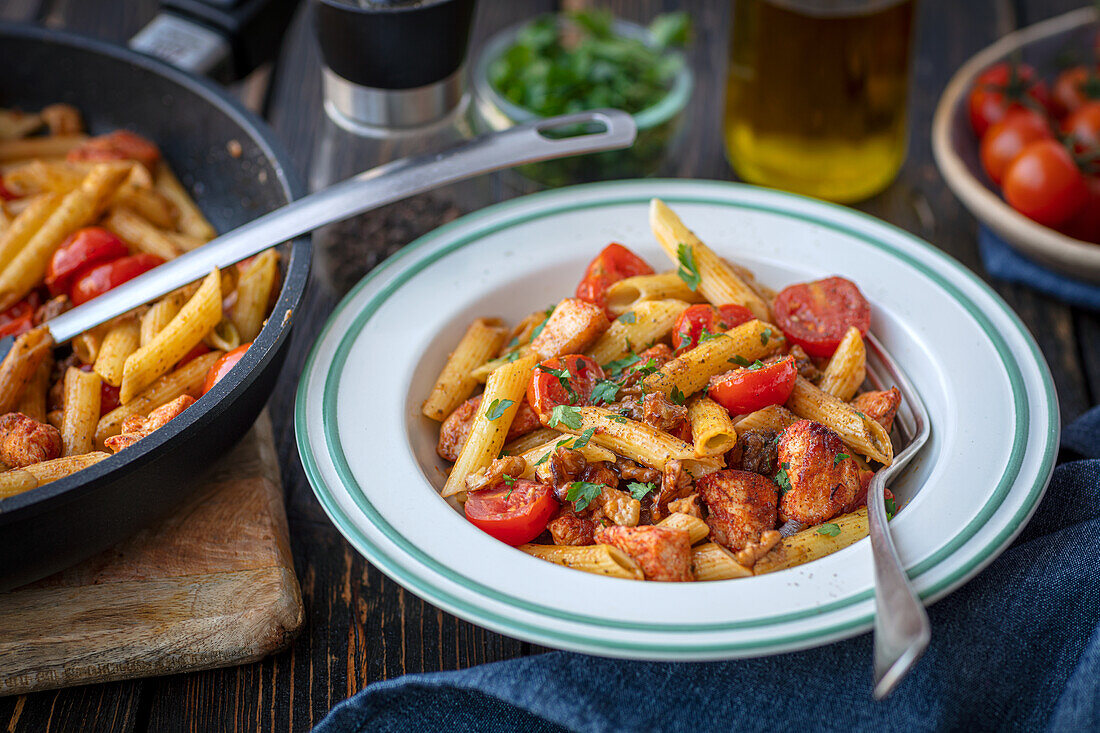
902,631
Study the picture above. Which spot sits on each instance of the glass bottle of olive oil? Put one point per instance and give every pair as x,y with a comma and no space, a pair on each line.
816,94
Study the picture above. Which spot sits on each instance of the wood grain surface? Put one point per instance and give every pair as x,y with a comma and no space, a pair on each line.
360,627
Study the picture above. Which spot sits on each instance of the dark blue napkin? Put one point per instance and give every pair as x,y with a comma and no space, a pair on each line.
1004,263
1017,648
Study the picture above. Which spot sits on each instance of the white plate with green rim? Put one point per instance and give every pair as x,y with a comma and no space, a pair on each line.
370,455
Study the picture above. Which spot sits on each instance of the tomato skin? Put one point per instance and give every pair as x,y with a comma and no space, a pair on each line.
81,251
615,262
222,366
1083,127
512,514
1006,139
199,349
816,315
746,390
704,317
1085,224
108,394
1044,184
1002,87
6,194
1073,88
545,391
102,278
20,317
117,145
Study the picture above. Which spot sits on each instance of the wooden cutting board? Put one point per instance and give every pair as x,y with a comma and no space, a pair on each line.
212,586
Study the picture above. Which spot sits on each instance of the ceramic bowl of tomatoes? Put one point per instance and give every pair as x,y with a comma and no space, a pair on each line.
1016,136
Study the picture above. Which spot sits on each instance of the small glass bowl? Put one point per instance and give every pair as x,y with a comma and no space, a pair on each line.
660,127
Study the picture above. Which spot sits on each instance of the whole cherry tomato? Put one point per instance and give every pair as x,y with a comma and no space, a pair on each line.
816,315
1082,128
1044,183
20,317
704,318
1073,88
222,366
755,387
102,278
117,145
615,262
513,514
1006,139
1003,87
81,251
1085,224
563,380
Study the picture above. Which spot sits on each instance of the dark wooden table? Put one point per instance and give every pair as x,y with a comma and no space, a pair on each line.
361,627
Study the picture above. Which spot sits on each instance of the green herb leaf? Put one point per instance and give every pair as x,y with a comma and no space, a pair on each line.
891,508
498,408
616,418
564,414
509,480
738,360
563,379
840,457
689,271
605,391
707,336
583,493
628,317
616,367
538,329
582,439
671,29
512,357
639,490
648,368
782,479
545,457
677,396
755,365
764,336
829,529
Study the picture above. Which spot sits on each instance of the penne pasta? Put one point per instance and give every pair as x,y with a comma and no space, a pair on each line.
16,123
80,411
190,220
32,402
859,432
160,314
712,429
195,319
537,458
599,559
24,226
524,443
627,293
518,346
692,370
773,417
254,291
503,392
59,468
847,368
813,542
16,481
717,281
637,329
148,204
711,561
223,336
482,339
140,234
51,146
21,365
696,528
123,339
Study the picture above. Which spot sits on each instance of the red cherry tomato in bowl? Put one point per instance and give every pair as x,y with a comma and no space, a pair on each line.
1044,183
1073,88
816,315
80,252
753,388
1006,139
1085,224
703,317
614,263
1002,87
563,380
98,280
20,317
222,366
1082,128
513,514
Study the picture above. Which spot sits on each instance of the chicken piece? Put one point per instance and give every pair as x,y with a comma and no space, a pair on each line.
24,440
136,427
805,365
742,507
494,473
755,550
688,505
663,553
62,119
631,471
756,451
600,473
654,357
571,329
455,430
566,466
675,484
879,406
567,528
52,308
617,507
820,485
662,413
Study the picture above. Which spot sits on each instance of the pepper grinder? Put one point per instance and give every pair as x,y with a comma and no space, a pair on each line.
394,85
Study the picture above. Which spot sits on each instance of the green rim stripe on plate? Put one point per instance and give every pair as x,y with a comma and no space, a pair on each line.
380,558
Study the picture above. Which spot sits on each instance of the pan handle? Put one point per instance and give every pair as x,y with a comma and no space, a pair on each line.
222,39
529,143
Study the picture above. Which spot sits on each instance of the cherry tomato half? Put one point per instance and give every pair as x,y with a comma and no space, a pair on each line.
816,315
117,145
20,317
546,389
81,251
1002,87
1006,139
1073,88
1083,128
100,279
513,514
222,366
614,263
706,318
1044,184
750,389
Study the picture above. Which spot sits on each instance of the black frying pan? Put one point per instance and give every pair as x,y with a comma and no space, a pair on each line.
192,121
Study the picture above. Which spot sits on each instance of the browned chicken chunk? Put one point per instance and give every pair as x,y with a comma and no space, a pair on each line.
742,507
24,440
662,553
569,529
136,427
662,413
820,484
756,451
879,406
571,328
455,430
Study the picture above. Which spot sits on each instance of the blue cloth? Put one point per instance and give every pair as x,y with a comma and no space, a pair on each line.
1004,263
1017,648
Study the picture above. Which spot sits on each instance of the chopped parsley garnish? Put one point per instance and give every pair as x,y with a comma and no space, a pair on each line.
498,408
616,367
512,357
738,360
707,336
829,529
764,336
783,480
583,493
616,418
567,415
583,438
563,379
891,508
648,368
545,457
628,317
840,457
677,396
689,271
509,480
538,329
605,391
512,344
638,490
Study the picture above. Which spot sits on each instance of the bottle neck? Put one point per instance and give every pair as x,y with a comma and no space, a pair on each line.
392,108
